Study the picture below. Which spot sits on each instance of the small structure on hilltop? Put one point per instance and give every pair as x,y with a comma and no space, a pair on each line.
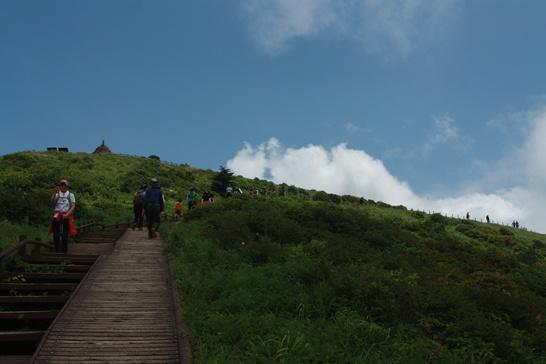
102,149
57,149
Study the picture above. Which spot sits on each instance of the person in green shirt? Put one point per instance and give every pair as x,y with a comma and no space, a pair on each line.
192,198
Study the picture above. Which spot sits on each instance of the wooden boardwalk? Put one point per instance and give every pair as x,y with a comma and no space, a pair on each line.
123,313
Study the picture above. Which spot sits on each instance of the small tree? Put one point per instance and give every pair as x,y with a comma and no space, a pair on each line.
222,180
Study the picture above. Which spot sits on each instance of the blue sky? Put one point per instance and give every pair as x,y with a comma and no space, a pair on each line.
442,98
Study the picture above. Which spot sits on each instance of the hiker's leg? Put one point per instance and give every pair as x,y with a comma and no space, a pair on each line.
64,237
57,235
149,220
140,218
156,216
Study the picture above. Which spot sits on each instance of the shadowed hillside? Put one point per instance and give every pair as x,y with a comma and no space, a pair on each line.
293,281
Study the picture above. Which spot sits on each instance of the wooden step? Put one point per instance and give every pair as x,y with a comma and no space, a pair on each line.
32,277
47,259
18,336
28,315
38,286
15,359
13,300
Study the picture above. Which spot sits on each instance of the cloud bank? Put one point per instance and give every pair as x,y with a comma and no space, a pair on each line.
512,188
382,26
343,170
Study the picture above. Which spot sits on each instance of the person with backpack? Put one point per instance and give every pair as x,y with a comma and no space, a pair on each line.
62,225
138,208
191,198
207,198
154,204
229,191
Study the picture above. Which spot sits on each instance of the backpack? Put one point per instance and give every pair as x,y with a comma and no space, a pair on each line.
138,200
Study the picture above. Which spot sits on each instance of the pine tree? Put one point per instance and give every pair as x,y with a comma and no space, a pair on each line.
222,180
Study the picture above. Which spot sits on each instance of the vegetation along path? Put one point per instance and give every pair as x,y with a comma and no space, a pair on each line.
123,313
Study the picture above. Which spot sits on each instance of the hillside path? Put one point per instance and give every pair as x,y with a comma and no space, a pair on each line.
123,312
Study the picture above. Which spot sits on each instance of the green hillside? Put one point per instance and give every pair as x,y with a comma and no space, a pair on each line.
300,276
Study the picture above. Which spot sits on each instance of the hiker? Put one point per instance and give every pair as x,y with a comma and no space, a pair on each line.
229,191
191,198
207,198
62,224
178,210
468,216
138,208
154,204
517,224
487,218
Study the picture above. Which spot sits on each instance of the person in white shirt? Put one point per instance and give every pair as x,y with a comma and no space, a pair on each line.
62,226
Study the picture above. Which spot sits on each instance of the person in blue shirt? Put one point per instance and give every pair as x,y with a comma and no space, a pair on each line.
154,204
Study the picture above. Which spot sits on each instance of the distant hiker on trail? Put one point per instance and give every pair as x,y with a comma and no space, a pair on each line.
178,210
517,224
62,224
487,218
207,198
229,191
468,216
191,198
154,203
138,208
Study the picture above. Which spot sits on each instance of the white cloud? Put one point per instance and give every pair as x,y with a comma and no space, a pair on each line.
354,128
273,23
382,26
512,188
445,131
343,170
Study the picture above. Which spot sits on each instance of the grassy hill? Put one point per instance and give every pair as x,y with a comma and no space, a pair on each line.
303,276
286,280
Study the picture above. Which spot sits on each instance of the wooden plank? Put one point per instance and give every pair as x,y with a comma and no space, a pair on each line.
42,276
25,315
9,300
15,359
69,256
19,336
45,259
66,268
38,286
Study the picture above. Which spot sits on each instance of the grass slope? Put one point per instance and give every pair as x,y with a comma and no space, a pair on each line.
292,281
103,184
